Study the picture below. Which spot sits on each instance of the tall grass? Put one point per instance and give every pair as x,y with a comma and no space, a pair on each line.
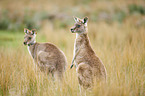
121,48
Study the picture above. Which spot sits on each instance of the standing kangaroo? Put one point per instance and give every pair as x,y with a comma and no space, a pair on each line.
89,66
46,56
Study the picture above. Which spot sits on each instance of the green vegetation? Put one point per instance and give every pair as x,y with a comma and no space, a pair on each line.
15,39
10,39
32,14
133,8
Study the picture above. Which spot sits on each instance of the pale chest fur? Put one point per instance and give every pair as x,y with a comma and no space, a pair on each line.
79,48
32,51
75,46
28,47
82,49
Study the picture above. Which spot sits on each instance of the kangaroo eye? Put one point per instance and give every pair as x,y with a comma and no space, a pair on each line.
78,26
29,37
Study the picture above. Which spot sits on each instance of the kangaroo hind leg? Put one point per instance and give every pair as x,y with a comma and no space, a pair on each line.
85,75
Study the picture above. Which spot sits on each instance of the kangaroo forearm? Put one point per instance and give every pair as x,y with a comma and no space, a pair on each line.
77,52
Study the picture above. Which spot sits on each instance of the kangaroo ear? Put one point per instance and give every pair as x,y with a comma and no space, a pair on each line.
76,19
33,31
26,30
85,20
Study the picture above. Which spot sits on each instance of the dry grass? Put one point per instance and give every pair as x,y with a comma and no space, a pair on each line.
121,47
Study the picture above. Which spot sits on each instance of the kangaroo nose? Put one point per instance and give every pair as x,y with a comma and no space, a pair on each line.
24,43
72,30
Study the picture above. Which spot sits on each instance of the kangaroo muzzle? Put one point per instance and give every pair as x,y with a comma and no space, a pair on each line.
72,30
25,43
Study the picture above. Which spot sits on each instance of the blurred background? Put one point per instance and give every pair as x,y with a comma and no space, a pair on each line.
15,15
117,35
56,17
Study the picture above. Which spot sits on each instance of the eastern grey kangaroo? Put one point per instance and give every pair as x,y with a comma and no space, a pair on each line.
89,66
46,56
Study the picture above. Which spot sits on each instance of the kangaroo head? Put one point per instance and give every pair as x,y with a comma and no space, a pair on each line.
29,37
80,26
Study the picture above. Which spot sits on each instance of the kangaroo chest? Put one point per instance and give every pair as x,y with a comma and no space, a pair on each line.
33,51
83,50
79,50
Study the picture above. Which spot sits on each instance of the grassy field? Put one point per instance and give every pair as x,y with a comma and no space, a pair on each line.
121,47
